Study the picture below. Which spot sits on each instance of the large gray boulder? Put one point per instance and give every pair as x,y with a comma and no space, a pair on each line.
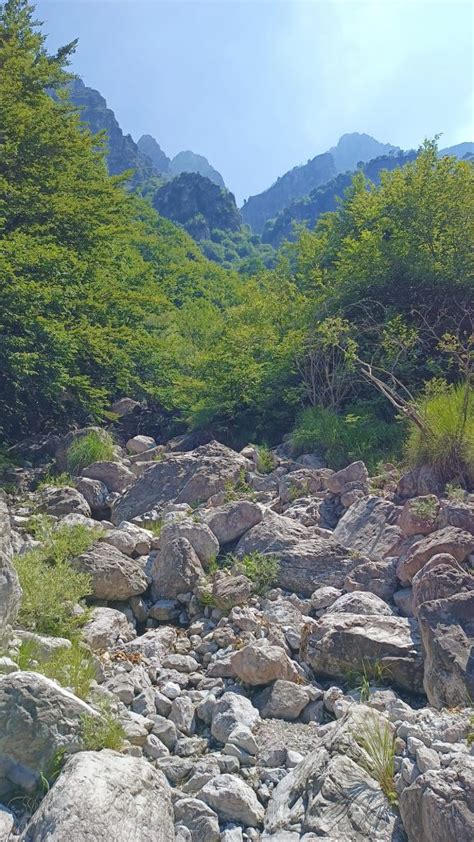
37,718
114,475
261,662
105,795
447,631
233,800
10,591
359,602
370,526
199,535
451,540
439,805
306,560
106,628
229,712
376,576
64,501
232,520
114,576
175,569
339,643
331,794
440,578
184,477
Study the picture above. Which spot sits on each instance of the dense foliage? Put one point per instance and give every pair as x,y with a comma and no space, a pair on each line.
100,296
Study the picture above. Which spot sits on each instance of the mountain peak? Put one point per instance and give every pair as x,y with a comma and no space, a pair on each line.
353,147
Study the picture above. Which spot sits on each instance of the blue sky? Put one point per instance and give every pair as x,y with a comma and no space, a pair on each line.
258,86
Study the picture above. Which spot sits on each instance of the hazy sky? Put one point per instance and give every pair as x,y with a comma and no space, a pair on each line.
258,86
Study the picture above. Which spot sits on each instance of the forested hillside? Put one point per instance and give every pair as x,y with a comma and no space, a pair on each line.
101,296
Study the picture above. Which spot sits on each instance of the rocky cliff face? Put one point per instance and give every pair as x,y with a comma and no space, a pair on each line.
354,148
150,147
190,162
294,184
123,152
198,205
309,208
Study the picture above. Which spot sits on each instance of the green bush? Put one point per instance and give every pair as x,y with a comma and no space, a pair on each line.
447,443
347,438
71,667
261,569
265,460
96,446
104,731
51,587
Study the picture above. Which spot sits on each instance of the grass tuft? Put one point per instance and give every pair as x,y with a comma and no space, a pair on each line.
71,667
96,446
104,731
378,743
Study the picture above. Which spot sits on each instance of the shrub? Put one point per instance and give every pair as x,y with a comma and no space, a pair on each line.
261,569
104,731
239,489
378,742
51,587
71,667
425,509
154,526
447,442
347,438
96,446
265,460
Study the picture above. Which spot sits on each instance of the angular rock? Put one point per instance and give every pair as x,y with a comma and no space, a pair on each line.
94,491
63,501
201,538
418,482
377,577
10,591
261,662
439,805
455,542
370,527
198,818
106,628
230,591
230,711
138,444
114,576
306,560
339,643
359,602
105,795
185,478
418,516
233,800
440,578
301,483
114,475
232,520
354,473
282,700
130,539
447,631
37,718
175,569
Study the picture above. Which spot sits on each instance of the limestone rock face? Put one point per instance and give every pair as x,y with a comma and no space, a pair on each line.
10,591
233,800
185,478
439,805
105,795
306,560
447,630
370,526
261,663
37,717
341,642
114,575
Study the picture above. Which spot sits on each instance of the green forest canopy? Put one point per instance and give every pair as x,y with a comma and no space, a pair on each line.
99,296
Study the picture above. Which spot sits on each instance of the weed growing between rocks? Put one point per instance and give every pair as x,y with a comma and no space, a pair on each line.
51,587
360,678
378,742
103,731
72,667
261,569
425,508
96,446
239,490
63,480
265,460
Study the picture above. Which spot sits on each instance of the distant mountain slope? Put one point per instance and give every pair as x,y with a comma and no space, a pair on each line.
292,185
198,204
460,150
325,198
123,153
353,148
150,147
190,162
